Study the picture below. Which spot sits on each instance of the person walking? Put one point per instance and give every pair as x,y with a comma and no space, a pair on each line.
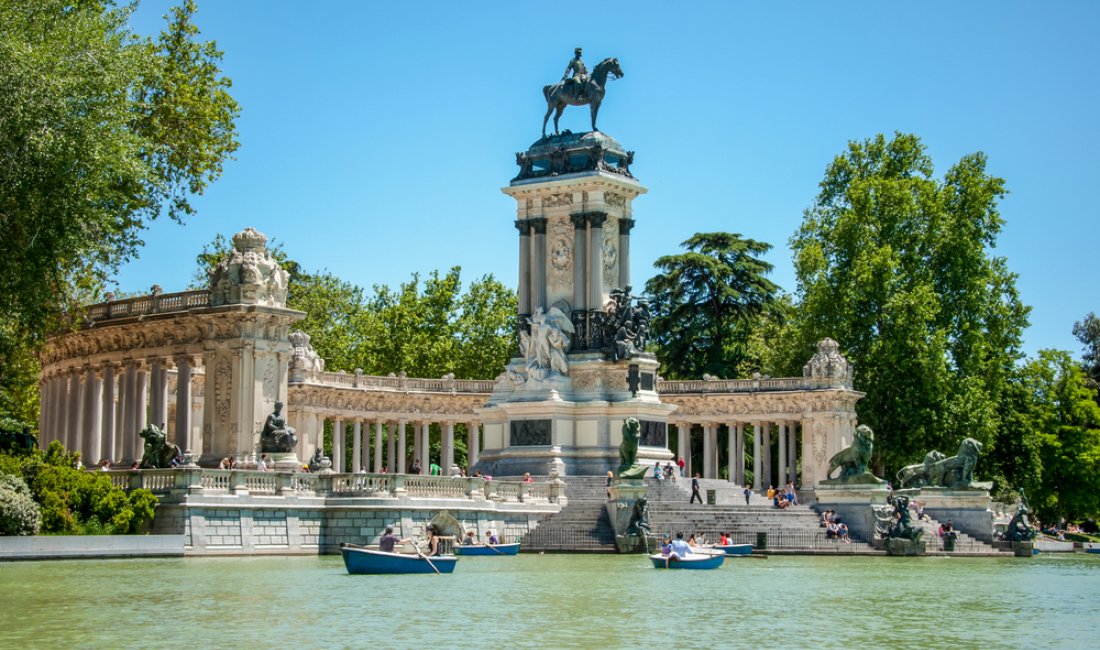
695,489
681,464
747,493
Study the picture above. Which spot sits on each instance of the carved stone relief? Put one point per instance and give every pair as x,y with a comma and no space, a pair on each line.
560,244
557,200
611,254
614,199
223,380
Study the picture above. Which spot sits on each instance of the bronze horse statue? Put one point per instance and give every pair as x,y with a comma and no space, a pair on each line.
565,93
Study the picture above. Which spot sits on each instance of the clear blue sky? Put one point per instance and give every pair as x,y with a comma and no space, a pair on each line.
375,136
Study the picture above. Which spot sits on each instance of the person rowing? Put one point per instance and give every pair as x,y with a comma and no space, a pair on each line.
388,541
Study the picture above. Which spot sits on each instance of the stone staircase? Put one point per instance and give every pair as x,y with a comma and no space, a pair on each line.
964,545
583,525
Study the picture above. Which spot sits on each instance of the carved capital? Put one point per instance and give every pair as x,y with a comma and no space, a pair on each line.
538,224
597,219
523,226
579,219
625,225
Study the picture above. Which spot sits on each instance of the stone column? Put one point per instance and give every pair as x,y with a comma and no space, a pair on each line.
43,407
739,447
75,406
792,457
160,414
473,442
710,447
366,446
595,261
183,402
93,412
731,454
580,261
378,455
107,410
426,444
683,443
539,226
782,440
625,224
338,445
391,446
766,441
524,303
357,446
141,400
124,439
448,447
757,461
402,448
155,365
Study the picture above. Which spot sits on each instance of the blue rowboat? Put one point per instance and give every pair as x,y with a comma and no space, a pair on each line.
735,549
488,549
1093,549
364,561
697,559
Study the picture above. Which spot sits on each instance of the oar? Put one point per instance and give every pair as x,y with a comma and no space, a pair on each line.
425,558
497,551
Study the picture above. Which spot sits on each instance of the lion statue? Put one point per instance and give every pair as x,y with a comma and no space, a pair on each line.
628,450
159,453
853,460
940,471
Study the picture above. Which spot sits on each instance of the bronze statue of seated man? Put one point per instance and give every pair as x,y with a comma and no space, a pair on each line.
276,436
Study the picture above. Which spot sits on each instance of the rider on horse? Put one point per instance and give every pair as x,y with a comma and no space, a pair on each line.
579,73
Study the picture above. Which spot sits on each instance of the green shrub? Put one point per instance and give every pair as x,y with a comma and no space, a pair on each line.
19,514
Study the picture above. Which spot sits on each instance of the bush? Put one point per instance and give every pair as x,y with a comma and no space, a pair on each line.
19,514
76,502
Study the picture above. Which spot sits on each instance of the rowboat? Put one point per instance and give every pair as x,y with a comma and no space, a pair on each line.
1093,549
735,549
698,559
365,561
488,549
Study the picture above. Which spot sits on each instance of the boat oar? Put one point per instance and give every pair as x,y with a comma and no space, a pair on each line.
496,550
425,558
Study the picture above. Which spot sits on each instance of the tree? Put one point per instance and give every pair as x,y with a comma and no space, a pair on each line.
1064,414
100,131
705,302
1087,332
895,265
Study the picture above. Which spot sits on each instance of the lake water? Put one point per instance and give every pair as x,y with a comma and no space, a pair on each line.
556,601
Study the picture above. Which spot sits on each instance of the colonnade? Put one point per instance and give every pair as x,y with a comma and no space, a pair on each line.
380,444
761,431
99,409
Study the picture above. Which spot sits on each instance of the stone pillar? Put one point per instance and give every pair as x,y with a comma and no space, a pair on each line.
124,444
757,461
710,449
43,406
378,455
739,449
580,261
539,226
426,444
524,268
792,456
357,446
75,406
731,454
338,445
401,446
155,393
809,477
766,441
595,261
160,414
473,442
366,446
782,439
141,401
109,423
448,447
391,447
183,403
625,225
93,412
683,443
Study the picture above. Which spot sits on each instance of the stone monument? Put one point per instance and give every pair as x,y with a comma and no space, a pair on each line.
854,490
947,488
580,368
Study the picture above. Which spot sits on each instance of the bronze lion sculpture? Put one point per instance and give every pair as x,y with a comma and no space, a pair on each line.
940,471
853,461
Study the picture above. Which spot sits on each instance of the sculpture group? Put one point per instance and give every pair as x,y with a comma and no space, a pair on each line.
159,453
546,343
938,470
626,324
578,88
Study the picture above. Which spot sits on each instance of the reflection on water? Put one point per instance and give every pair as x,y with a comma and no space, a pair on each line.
559,601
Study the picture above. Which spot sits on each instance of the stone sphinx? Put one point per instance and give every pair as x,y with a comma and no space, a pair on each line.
938,470
276,436
159,453
853,461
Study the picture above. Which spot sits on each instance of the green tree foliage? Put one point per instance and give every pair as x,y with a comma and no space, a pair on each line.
100,131
1064,415
78,502
706,303
1087,332
895,265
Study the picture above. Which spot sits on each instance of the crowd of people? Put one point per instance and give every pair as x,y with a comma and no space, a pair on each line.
834,527
784,497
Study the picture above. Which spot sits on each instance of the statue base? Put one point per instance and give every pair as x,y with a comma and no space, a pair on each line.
285,462
967,508
898,546
620,507
852,504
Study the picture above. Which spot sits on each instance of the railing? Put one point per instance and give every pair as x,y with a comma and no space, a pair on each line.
219,481
748,385
151,304
404,384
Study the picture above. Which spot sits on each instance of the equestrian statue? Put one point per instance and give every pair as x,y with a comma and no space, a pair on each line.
578,88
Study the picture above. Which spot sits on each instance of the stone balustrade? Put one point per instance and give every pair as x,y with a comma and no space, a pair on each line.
217,481
696,386
151,304
402,384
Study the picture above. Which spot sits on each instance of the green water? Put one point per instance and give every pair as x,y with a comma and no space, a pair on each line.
555,601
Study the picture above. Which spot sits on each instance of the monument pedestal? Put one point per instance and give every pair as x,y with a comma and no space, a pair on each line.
620,508
967,509
852,503
899,546
285,462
